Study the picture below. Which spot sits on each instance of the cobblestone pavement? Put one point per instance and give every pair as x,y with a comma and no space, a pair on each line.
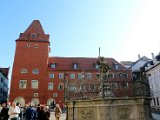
63,116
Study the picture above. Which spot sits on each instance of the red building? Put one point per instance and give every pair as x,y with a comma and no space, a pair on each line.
38,78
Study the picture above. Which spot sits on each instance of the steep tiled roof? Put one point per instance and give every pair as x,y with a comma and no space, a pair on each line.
5,71
34,32
66,63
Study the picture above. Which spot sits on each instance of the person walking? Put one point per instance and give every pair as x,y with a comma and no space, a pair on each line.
14,112
57,112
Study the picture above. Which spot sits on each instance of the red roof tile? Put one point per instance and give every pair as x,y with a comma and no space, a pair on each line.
66,63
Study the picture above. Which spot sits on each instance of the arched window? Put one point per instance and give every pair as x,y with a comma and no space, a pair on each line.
51,102
20,100
35,101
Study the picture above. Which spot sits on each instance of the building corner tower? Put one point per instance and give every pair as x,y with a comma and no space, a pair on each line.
29,74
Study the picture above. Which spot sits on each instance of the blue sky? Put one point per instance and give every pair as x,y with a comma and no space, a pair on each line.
122,28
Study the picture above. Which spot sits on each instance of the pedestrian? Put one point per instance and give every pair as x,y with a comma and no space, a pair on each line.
14,112
40,112
57,112
4,112
46,114
31,113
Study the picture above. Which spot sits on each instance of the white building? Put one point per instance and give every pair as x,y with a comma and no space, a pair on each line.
153,72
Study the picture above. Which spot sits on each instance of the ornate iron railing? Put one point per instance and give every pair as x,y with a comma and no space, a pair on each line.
90,89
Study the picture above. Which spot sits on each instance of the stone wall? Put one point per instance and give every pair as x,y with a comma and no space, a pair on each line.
109,109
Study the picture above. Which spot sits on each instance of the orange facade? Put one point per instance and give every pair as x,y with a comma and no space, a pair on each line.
38,78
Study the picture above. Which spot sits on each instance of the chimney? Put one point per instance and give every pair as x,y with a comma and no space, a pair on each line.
152,56
139,56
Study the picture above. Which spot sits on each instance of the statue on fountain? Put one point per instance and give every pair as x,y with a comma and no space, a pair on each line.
105,89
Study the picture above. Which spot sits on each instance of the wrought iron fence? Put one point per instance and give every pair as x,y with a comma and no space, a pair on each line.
91,89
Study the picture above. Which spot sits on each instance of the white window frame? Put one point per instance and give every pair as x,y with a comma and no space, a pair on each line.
75,66
89,75
50,86
72,76
34,86
61,76
51,75
53,65
80,76
23,70
21,86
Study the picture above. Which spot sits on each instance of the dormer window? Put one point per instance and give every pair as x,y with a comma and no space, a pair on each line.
75,66
116,66
53,65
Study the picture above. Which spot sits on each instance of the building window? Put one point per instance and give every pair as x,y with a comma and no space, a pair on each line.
96,66
33,35
23,70
28,45
116,75
51,75
79,75
50,86
53,65
35,71
125,75
61,75
89,76
116,66
22,84
97,75
75,66
72,76
55,95
35,45
60,87
34,84
35,94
